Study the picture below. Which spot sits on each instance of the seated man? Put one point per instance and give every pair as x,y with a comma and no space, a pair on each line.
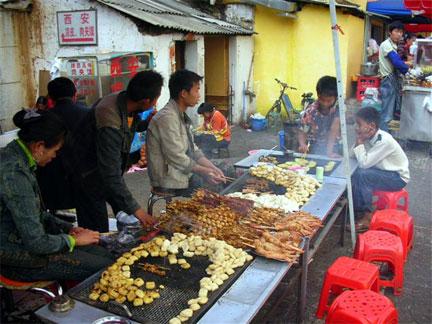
215,133
172,154
320,124
383,164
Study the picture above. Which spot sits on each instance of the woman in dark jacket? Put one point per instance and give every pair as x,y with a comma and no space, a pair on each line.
35,245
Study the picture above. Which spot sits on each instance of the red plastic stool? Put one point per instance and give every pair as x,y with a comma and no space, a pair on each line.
362,306
383,246
391,200
396,222
347,273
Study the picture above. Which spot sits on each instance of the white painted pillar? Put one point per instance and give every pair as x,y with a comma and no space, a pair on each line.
241,72
194,61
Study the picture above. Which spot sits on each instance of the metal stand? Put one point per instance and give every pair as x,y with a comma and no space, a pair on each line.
303,280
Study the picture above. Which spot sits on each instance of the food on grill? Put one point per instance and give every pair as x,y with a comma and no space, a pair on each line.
329,166
299,187
269,201
255,185
150,285
116,284
268,159
153,268
174,320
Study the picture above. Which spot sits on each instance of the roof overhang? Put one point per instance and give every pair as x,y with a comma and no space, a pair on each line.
176,15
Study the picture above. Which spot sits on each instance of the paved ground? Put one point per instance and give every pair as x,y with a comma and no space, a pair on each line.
415,304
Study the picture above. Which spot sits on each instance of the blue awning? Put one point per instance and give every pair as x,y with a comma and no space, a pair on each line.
388,7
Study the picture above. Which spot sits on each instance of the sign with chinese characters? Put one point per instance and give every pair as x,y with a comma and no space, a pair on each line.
77,27
80,68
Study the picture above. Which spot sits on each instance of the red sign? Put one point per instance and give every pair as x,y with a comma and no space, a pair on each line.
77,27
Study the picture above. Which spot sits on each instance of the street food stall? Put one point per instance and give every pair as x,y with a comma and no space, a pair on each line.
416,110
188,275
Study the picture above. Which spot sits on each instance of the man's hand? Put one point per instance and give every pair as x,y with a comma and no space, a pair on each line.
76,230
215,177
146,219
303,148
86,237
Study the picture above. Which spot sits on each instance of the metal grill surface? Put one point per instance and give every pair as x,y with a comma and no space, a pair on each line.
180,286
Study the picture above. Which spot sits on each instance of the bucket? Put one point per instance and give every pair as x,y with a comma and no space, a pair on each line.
258,124
282,141
290,135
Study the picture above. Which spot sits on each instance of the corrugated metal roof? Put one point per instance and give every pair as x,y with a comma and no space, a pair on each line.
175,15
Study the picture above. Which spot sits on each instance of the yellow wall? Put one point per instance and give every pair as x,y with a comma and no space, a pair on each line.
272,57
300,51
355,30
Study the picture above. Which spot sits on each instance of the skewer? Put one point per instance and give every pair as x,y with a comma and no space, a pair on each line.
250,245
108,233
246,238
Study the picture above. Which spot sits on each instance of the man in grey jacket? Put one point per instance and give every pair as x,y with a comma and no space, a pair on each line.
173,158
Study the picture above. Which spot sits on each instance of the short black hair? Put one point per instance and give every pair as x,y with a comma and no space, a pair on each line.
182,80
145,85
39,125
61,87
205,107
369,115
395,25
42,100
327,86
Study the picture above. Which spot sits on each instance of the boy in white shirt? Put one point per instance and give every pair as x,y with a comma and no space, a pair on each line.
383,164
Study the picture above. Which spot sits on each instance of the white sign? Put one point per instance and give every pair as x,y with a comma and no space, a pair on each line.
77,27
80,68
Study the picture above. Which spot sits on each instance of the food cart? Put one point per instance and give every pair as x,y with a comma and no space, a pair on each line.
244,294
416,110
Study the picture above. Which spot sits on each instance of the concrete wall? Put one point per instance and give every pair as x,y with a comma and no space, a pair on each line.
116,33
17,84
301,51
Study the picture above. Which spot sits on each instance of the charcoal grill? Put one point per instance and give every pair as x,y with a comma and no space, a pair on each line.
180,286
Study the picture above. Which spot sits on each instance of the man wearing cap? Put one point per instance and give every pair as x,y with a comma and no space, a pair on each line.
215,133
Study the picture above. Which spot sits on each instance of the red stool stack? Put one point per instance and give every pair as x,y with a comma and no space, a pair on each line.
362,306
381,246
391,200
347,273
396,222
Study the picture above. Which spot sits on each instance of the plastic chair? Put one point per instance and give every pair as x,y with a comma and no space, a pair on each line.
397,222
381,246
347,273
362,306
391,200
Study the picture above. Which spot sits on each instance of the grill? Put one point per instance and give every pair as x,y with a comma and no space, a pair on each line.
319,162
180,286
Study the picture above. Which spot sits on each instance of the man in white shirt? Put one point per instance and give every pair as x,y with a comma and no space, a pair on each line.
383,164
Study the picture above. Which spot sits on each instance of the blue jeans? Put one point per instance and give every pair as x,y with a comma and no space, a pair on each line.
366,181
389,93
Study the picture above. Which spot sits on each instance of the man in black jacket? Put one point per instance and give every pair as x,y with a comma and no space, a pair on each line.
54,180
101,145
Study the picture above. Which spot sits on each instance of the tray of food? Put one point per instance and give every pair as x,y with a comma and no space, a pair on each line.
296,163
240,223
165,280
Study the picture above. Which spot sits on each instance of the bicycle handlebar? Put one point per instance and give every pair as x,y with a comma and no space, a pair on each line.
283,84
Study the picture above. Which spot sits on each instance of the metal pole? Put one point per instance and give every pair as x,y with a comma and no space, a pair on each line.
342,110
